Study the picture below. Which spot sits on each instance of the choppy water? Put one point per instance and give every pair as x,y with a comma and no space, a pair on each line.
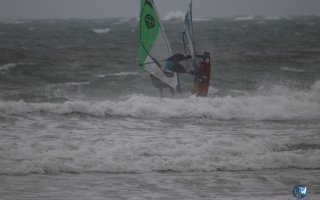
80,120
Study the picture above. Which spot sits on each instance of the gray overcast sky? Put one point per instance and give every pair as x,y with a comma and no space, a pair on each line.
130,8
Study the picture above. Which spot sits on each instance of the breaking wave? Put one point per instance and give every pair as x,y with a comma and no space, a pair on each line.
244,18
223,153
204,19
277,103
176,15
8,66
291,69
99,31
14,21
272,18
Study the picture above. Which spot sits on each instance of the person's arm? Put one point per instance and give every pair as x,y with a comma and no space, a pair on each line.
188,57
179,57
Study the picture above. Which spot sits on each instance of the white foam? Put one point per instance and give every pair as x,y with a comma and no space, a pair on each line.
100,31
291,69
78,83
8,66
176,15
131,21
244,18
117,74
134,155
100,147
14,21
271,105
272,18
205,19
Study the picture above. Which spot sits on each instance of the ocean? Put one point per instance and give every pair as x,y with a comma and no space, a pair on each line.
79,119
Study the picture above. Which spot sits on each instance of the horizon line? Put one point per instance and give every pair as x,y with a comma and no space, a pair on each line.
136,18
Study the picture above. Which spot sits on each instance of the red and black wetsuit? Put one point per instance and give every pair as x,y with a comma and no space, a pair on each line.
202,76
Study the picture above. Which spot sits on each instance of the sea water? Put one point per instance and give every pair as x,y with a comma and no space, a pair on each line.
80,120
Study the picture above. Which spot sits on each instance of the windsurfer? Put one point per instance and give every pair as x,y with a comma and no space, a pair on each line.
201,79
201,75
173,63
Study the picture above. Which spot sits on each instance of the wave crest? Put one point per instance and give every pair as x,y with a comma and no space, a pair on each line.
140,156
176,15
99,30
244,18
277,104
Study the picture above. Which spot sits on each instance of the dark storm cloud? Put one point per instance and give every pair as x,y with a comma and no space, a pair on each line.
130,8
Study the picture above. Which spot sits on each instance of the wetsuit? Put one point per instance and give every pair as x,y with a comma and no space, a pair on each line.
172,63
202,77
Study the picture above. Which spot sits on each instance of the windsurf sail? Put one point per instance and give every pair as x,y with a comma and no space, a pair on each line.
154,46
202,66
188,37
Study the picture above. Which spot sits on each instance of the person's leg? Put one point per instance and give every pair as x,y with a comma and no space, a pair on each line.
171,90
161,92
180,68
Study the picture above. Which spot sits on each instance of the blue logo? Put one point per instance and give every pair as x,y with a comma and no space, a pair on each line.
300,191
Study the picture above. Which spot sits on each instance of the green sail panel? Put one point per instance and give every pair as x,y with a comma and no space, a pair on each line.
154,46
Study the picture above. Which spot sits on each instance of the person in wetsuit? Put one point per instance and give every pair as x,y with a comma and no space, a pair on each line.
201,79
201,75
173,63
